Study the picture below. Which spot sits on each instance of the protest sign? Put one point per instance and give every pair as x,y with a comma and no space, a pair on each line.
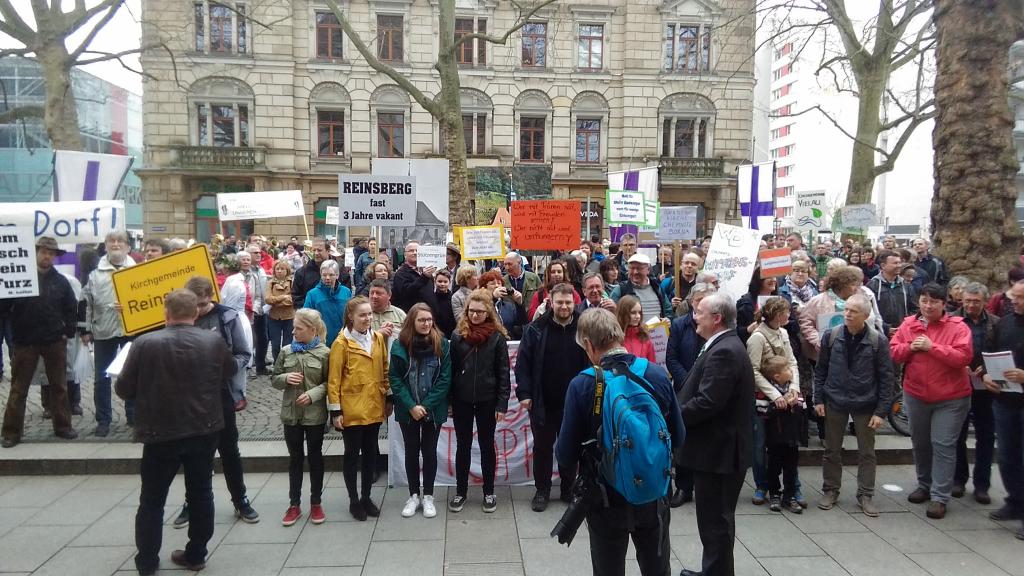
253,205
427,256
677,223
86,222
775,262
857,217
140,289
732,256
332,216
625,207
828,320
658,331
652,214
376,200
480,242
19,277
809,213
546,224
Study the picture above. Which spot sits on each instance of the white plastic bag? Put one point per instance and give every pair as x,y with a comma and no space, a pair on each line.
83,368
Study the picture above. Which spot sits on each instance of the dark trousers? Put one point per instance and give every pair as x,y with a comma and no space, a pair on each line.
611,529
360,452
420,438
715,498
1010,429
230,457
105,351
684,479
5,336
782,459
74,395
280,335
314,438
544,436
24,360
984,442
160,462
463,414
261,340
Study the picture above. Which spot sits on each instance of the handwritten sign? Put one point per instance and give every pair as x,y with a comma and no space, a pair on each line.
253,205
86,222
652,213
625,207
481,242
858,217
332,215
658,332
546,224
376,200
775,262
19,277
677,223
732,256
427,256
810,211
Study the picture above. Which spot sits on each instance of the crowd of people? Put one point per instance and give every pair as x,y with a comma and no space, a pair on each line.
743,378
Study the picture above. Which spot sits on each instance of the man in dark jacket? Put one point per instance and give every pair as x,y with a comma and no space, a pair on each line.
307,277
896,299
548,359
40,328
411,284
175,377
853,379
934,268
718,408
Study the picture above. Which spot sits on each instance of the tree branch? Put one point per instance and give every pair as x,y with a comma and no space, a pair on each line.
95,30
80,15
890,157
924,109
523,20
14,26
104,56
21,113
835,123
837,10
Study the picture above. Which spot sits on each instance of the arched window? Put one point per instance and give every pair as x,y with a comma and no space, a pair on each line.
590,119
389,105
687,126
330,110
220,112
533,116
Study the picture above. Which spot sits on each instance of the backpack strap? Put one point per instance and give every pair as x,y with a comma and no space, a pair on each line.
596,412
635,373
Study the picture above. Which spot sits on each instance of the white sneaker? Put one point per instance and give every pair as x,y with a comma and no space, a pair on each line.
428,507
411,505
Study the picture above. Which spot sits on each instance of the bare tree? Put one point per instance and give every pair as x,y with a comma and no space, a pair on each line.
973,216
446,107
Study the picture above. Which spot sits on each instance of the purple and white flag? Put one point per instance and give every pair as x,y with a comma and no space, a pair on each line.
756,191
641,180
88,176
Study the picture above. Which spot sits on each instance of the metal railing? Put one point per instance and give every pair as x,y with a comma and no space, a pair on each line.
692,167
213,156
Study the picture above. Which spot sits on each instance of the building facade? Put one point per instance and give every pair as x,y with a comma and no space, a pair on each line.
263,95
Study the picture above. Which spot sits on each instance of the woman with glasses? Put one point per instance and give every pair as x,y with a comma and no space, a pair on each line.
799,285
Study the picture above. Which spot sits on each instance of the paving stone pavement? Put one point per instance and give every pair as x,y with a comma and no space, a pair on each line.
83,525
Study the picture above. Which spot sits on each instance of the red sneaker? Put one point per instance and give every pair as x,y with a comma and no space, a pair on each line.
316,514
291,516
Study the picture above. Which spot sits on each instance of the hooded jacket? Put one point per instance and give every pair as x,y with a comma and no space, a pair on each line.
358,382
330,303
101,319
314,367
941,373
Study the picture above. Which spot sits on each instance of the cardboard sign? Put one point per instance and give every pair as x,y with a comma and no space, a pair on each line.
427,256
67,222
809,213
255,205
332,216
858,217
775,262
140,290
625,207
546,224
677,223
732,256
658,332
376,200
482,242
19,277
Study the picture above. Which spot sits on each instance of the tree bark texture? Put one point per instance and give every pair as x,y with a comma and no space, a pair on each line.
460,201
60,114
973,208
862,161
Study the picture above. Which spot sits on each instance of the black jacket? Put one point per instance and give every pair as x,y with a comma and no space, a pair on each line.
859,384
409,287
46,318
444,316
718,409
175,377
530,363
305,279
896,300
1009,335
481,374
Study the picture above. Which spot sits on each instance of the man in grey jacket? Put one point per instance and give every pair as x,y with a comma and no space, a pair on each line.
853,379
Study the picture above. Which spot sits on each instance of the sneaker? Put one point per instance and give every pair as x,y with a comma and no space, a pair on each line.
867,506
1005,513
828,499
102,430
1019,534
291,516
356,509
371,508
775,504
316,514
456,503
958,490
936,510
918,496
182,520
244,510
490,503
10,442
793,506
982,497
759,497
429,510
799,497
178,557
411,506
540,501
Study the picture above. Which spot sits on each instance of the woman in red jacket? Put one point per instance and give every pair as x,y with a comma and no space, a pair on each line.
638,340
935,349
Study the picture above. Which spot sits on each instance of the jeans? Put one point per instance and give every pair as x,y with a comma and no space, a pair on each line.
984,443
260,340
24,360
463,414
934,429
611,529
160,462
105,351
832,460
360,451
758,468
314,437
544,453
420,438
230,457
280,335
1010,430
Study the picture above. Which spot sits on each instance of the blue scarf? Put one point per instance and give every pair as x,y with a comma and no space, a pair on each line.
300,347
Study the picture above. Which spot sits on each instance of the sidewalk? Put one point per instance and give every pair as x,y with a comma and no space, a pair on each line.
83,525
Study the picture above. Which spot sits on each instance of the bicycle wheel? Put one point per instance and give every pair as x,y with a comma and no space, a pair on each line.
898,415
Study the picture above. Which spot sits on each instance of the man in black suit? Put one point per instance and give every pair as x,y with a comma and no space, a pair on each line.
718,405
593,294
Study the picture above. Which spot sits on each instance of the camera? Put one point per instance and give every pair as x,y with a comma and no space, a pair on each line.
586,492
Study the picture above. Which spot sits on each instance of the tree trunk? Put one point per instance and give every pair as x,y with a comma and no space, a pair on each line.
862,164
460,202
60,115
973,217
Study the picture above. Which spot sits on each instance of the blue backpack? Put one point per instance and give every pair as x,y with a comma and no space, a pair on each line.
636,449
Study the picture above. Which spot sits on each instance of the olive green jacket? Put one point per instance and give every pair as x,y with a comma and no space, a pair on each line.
313,365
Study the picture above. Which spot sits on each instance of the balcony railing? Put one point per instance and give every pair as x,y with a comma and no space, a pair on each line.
216,157
693,167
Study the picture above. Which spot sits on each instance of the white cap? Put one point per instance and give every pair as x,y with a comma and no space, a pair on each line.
639,259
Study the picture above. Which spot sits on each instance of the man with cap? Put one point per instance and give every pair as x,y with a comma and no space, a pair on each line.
41,326
452,258
638,283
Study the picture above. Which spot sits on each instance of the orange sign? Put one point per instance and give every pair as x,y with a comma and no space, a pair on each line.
546,225
775,262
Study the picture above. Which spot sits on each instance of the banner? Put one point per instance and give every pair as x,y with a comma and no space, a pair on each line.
755,187
481,242
732,256
68,222
513,443
809,213
431,206
255,205
376,200
625,207
775,262
140,289
427,256
546,224
677,223
88,176
19,277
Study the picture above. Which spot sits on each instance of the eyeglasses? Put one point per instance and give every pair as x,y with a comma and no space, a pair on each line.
475,312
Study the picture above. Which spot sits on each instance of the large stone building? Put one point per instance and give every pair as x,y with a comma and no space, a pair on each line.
273,95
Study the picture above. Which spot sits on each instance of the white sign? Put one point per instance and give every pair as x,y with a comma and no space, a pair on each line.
88,175
651,213
512,437
480,242
859,216
677,223
732,256
427,256
809,214
18,275
625,207
255,205
377,200
67,222
332,216
658,331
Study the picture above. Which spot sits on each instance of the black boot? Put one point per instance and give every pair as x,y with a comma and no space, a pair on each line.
44,399
75,397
